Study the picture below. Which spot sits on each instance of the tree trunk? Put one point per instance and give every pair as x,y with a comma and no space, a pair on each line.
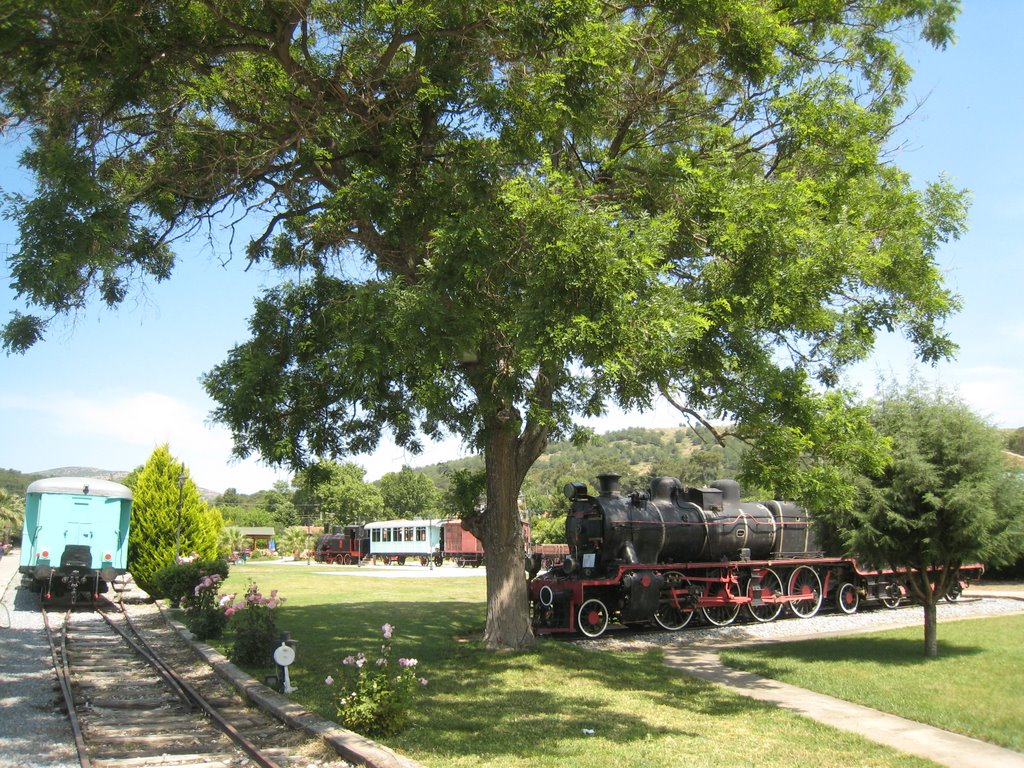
508,615
931,630
927,588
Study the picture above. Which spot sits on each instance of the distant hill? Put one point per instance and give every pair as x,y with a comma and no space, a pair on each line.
16,482
96,474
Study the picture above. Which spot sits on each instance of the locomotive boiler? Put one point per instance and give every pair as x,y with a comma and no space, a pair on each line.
666,554
673,524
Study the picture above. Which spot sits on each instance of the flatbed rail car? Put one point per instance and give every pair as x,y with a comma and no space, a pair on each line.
664,556
75,535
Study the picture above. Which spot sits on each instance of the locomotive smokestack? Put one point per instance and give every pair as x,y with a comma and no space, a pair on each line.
609,484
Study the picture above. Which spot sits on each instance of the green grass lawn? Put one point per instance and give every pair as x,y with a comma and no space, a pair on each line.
536,709
975,687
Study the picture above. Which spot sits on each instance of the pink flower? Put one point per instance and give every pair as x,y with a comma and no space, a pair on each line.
407,662
388,630
329,680
423,681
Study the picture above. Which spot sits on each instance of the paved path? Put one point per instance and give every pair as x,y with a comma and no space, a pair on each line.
935,744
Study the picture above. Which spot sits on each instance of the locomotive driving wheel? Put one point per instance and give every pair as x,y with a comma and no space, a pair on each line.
771,590
720,615
592,617
669,615
805,589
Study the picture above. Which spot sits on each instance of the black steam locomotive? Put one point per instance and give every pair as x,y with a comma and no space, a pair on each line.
664,555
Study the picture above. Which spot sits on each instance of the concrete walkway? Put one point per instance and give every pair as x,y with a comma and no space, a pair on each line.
943,747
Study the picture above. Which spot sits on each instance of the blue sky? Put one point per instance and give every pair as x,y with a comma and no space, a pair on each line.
105,391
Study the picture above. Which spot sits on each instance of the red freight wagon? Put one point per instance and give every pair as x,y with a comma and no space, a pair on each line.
460,545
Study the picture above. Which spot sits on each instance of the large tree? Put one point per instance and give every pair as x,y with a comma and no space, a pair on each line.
946,498
338,494
493,217
409,495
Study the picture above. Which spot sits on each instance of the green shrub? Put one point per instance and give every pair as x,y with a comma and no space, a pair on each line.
179,580
376,696
204,614
254,622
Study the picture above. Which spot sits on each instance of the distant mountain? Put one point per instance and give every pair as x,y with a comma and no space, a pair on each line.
106,474
92,472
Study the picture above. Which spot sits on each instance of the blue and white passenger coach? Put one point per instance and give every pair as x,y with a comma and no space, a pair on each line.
75,537
396,540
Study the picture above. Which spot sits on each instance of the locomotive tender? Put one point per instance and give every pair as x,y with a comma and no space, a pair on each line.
662,556
75,535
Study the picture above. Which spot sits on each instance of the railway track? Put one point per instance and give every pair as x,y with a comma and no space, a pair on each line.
137,695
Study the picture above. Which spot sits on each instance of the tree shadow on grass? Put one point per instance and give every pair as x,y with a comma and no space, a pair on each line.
501,705
881,651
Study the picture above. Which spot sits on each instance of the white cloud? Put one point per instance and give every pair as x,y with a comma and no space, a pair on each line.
993,392
116,431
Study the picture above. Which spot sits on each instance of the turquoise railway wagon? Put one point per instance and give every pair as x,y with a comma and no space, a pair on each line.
75,537
397,540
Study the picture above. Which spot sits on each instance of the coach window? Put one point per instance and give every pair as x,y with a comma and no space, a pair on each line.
386,532
407,533
375,534
421,533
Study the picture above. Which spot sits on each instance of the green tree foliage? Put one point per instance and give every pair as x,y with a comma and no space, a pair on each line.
12,515
409,495
154,530
294,541
548,530
338,493
1015,441
13,481
946,498
250,517
279,503
230,541
494,217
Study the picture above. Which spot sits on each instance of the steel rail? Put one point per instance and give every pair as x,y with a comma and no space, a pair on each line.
63,673
196,697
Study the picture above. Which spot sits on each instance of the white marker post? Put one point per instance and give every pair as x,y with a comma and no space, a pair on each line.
285,655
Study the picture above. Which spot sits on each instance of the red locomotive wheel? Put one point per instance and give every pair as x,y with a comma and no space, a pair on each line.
805,589
670,615
592,618
771,590
724,614
847,599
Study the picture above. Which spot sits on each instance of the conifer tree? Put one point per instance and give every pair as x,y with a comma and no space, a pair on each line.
151,544
946,498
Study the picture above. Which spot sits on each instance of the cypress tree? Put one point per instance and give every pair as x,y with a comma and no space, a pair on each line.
155,523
